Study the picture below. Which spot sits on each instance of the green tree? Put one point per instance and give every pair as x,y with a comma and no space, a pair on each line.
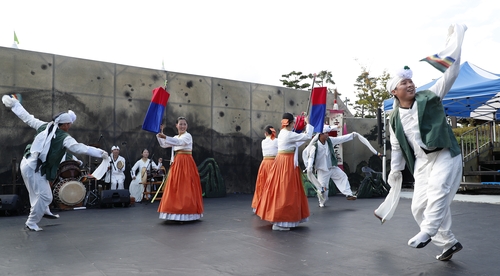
324,78
370,93
298,80
294,79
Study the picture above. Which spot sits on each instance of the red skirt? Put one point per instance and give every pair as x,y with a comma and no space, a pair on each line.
264,169
283,198
182,193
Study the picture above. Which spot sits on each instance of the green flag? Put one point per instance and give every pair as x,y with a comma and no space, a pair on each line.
15,38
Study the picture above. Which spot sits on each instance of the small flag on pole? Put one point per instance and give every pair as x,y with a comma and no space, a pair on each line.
156,109
440,63
15,38
318,108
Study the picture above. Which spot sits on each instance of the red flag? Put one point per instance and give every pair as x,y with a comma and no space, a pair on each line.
156,109
318,108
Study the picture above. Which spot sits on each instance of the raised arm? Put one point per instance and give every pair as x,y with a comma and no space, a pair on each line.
20,112
452,52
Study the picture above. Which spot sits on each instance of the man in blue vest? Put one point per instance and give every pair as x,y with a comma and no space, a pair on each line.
41,158
422,140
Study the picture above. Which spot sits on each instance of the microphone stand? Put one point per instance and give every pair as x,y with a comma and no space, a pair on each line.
94,193
112,162
150,179
106,147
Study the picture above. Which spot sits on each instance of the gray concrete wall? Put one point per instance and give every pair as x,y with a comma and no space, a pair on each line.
225,117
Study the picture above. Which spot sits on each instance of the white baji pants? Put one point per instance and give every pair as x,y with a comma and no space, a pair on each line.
437,179
339,178
39,190
117,181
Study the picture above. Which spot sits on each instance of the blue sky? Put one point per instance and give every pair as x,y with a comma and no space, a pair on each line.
258,41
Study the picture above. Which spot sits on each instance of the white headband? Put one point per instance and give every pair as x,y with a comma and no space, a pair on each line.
403,74
115,148
63,119
327,129
72,115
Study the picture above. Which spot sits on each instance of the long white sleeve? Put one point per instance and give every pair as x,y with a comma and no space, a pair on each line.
453,49
78,148
397,161
26,117
135,168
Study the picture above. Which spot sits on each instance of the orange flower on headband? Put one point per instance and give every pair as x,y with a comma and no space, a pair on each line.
273,133
284,123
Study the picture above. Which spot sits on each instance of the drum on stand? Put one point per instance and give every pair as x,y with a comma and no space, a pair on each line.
68,191
69,169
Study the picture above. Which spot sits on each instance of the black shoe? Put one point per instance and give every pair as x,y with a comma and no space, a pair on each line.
423,244
420,239
351,197
446,256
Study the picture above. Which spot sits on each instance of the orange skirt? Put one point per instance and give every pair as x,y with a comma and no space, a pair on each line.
283,198
182,193
264,169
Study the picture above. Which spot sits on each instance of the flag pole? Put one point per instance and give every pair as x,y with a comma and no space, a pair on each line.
159,189
165,111
310,94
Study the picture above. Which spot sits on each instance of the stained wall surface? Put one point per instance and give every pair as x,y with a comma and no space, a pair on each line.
226,117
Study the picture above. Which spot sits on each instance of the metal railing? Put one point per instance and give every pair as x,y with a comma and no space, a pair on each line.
478,140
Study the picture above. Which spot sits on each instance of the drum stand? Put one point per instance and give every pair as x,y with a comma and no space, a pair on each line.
92,197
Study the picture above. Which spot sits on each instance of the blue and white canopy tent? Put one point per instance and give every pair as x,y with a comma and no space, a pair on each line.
475,94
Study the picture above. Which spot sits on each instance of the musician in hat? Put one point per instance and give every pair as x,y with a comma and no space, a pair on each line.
116,170
41,159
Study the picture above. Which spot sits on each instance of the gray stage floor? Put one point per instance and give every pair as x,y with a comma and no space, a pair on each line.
343,238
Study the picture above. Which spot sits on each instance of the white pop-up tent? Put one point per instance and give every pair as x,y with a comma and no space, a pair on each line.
475,94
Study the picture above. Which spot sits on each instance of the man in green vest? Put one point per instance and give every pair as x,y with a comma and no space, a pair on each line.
422,140
42,158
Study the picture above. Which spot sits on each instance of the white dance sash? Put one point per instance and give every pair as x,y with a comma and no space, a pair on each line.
102,169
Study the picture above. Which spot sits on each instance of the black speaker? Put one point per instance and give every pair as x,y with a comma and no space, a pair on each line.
10,204
115,198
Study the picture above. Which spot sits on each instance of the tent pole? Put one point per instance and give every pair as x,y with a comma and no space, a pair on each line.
494,127
384,168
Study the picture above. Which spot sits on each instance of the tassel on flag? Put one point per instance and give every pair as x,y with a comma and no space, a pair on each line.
318,108
300,123
156,109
